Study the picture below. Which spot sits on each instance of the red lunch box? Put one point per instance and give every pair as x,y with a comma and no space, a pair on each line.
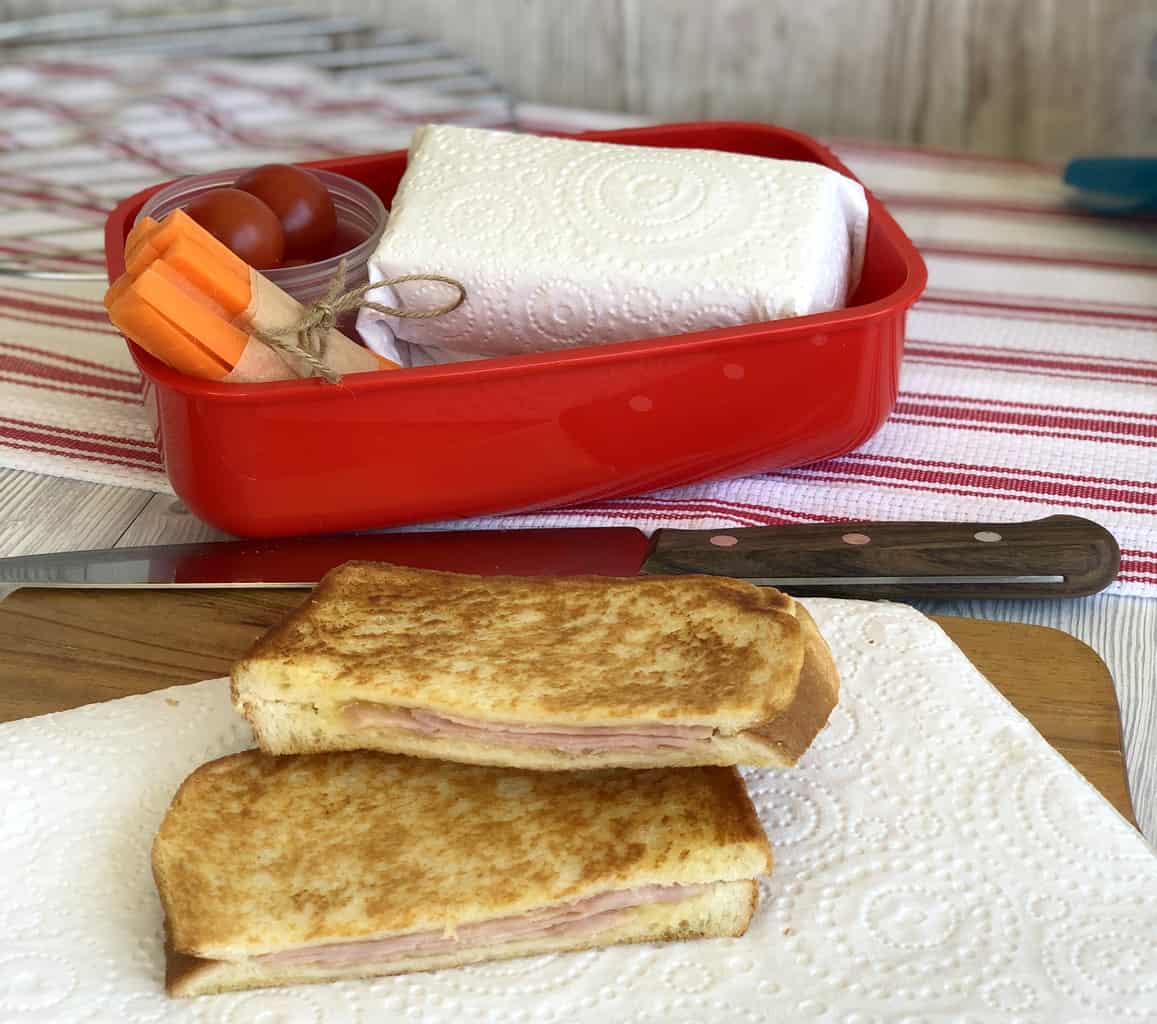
529,432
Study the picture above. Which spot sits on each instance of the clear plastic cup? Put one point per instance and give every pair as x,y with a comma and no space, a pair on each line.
358,209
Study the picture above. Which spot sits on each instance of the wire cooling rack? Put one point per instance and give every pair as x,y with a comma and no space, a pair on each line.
98,104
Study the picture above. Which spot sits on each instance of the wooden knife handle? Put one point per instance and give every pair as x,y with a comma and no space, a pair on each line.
1082,552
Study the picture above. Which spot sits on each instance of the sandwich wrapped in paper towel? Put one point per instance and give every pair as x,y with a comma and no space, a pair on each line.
561,243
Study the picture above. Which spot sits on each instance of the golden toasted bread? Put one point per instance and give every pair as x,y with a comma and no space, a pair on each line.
550,655
261,855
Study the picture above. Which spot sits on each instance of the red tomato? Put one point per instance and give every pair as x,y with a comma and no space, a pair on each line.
243,223
302,204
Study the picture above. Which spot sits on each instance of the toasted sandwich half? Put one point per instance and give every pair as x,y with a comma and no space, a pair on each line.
276,871
544,673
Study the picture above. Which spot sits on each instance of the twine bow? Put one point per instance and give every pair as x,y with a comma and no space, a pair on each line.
307,339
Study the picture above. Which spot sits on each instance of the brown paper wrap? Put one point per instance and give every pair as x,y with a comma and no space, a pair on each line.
270,310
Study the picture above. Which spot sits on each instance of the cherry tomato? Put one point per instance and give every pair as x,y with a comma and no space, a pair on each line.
243,223
300,201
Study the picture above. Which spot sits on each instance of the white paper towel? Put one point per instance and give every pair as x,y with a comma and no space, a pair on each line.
936,861
561,243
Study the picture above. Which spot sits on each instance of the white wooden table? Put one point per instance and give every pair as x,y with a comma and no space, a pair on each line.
42,514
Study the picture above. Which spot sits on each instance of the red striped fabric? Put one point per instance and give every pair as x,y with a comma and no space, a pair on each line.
1029,385
1036,314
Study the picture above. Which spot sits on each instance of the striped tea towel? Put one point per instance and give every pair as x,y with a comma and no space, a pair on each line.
1029,384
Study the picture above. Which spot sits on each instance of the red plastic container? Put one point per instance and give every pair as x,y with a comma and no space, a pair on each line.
529,432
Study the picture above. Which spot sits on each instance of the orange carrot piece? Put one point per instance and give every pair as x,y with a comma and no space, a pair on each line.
192,316
140,256
141,230
197,266
117,289
185,226
176,225
187,266
194,253
139,322
189,288
157,240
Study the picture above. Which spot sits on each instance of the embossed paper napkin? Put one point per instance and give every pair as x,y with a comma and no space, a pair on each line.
936,861
561,243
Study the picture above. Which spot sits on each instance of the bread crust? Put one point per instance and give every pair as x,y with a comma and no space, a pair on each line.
788,735
727,912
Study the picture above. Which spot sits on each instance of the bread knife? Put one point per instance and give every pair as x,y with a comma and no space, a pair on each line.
1061,556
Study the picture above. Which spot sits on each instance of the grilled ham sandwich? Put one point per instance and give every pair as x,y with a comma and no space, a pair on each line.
323,867
545,673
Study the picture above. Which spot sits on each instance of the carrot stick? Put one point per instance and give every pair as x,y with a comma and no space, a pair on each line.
197,266
117,289
194,317
141,230
184,226
139,322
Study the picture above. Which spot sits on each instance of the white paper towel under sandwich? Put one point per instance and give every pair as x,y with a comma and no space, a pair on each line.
561,243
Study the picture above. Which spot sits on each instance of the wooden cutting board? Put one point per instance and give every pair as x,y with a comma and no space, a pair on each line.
64,648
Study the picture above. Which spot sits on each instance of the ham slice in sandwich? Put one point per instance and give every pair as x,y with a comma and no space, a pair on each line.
545,673
320,867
